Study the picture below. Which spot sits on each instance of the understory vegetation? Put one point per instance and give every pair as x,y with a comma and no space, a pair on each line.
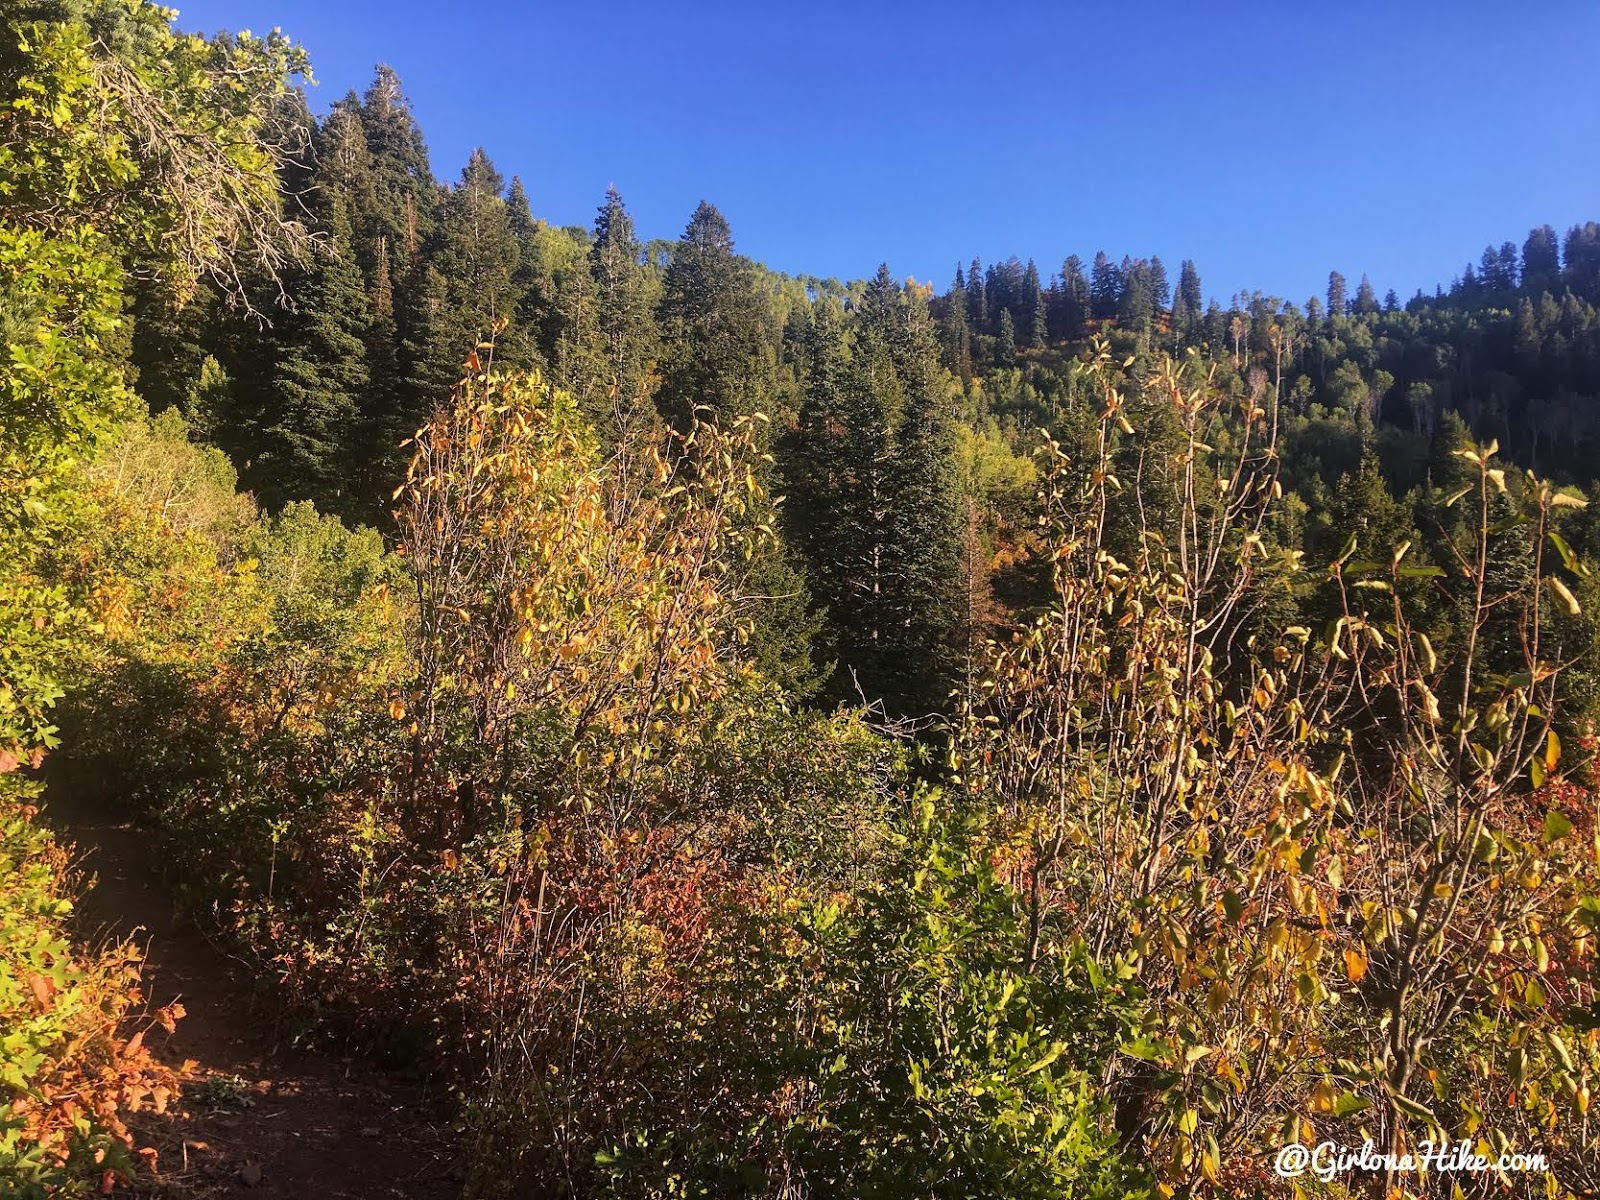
772,737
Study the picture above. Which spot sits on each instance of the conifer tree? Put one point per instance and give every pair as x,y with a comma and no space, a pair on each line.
955,336
712,326
1105,287
404,191
622,313
534,280
1187,303
309,436
1336,299
1033,308
1366,298
1160,289
1071,309
475,252
1005,347
1541,261
977,299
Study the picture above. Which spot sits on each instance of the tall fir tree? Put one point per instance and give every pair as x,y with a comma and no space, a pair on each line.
1071,308
309,437
404,192
1105,287
955,335
623,318
712,321
1033,307
1541,261
1336,296
977,298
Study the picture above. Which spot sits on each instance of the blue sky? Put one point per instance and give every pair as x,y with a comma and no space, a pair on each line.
1269,142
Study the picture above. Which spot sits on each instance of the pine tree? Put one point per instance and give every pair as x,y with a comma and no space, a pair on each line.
1336,298
1187,303
1366,298
1005,347
977,299
875,499
1135,304
382,425
712,319
404,191
1160,289
1033,311
1580,257
1541,261
309,437
1072,303
1105,287
955,336
534,280
622,312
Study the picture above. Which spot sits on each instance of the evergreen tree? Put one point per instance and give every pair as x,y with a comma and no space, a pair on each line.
1105,287
955,336
1336,298
1005,347
1187,303
1541,261
622,313
1366,298
1160,289
1135,304
1580,257
875,499
404,191
977,299
712,325
1033,310
1072,300
309,436
534,280
382,426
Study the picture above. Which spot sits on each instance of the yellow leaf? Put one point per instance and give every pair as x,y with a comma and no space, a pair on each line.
1355,963
1566,597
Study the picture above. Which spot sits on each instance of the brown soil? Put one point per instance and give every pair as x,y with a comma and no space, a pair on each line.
257,1118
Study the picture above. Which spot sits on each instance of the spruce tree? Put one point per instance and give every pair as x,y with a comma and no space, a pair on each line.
623,318
1187,303
1336,299
1072,304
1005,347
1541,261
309,437
955,336
1033,306
1366,298
404,191
977,299
712,320
1105,287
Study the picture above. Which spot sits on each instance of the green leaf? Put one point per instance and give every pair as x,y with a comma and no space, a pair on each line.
1556,826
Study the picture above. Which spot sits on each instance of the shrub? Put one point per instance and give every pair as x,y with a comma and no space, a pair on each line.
68,1073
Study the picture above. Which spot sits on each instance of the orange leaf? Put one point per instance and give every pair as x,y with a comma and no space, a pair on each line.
43,991
1355,963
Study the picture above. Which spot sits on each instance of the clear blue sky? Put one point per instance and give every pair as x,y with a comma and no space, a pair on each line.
1269,142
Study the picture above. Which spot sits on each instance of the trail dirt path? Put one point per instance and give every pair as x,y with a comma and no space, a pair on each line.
256,1119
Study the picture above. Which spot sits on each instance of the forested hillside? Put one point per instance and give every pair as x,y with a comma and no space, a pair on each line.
757,735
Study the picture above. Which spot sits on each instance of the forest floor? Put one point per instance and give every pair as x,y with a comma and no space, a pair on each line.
256,1118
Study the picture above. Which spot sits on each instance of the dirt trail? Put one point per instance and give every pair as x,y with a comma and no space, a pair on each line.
255,1120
